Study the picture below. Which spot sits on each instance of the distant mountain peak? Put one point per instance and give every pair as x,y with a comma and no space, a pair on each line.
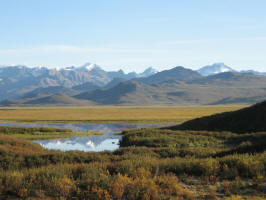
175,74
148,72
150,69
84,68
89,67
215,68
180,68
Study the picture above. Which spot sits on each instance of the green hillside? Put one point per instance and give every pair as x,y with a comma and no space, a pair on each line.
164,88
250,119
49,100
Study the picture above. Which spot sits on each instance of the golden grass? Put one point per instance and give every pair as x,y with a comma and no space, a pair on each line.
110,114
53,135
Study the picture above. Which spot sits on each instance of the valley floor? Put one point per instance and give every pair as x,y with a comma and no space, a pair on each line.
151,164
110,114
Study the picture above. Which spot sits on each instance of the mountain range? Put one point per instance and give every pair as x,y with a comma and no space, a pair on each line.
16,81
91,85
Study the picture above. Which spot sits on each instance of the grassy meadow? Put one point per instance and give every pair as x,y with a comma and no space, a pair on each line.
42,133
151,164
110,114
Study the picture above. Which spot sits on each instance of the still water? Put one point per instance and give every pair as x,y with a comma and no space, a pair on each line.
107,141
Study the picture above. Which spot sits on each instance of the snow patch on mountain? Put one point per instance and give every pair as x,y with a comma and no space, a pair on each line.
148,72
88,67
216,68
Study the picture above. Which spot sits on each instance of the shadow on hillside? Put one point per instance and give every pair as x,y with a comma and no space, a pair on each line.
246,143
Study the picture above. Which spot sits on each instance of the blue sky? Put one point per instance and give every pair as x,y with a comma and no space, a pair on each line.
133,34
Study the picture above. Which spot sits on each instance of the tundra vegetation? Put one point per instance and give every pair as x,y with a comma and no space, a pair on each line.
42,132
150,164
111,114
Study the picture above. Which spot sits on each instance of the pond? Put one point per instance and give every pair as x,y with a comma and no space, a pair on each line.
108,141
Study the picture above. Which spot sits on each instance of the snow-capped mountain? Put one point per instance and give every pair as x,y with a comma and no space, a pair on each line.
88,67
19,79
91,85
148,72
216,68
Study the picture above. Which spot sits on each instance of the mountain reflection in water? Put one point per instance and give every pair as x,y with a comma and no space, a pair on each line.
107,141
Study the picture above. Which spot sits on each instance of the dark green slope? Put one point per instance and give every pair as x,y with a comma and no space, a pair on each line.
251,119
42,91
178,93
225,88
233,79
58,99
110,96
115,82
47,100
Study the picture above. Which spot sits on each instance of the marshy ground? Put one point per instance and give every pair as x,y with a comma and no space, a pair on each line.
151,163
111,114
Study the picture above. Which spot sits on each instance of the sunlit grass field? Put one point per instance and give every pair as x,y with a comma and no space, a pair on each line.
150,163
110,114
42,133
